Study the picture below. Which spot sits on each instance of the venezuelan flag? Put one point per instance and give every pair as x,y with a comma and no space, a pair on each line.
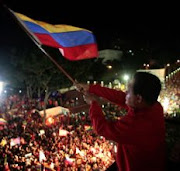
74,43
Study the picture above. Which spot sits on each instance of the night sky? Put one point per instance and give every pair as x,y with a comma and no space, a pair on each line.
153,27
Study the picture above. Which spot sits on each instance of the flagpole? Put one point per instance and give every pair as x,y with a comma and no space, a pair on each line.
36,41
59,66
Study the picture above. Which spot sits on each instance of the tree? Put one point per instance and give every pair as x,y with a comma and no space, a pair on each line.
38,75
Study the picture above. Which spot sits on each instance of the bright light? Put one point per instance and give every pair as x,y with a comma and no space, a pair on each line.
115,149
49,121
109,66
126,77
102,83
165,104
1,87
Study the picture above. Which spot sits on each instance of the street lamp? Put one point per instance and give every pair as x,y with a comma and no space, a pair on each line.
126,77
109,66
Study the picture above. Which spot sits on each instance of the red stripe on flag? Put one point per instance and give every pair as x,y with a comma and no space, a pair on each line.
47,40
72,53
80,52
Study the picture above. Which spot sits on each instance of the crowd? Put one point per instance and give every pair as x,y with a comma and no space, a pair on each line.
65,142
46,146
170,95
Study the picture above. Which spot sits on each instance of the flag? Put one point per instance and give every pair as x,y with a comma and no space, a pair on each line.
3,121
28,155
41,132
42,156
74,43
69,161
79,152
3,142
15,141
63,132
6,167
87,127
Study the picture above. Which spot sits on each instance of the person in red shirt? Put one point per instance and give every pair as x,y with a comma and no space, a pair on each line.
140,134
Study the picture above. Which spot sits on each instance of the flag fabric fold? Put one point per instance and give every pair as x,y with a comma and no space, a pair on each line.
74,43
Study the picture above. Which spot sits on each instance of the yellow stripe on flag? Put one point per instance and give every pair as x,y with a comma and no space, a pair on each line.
50,27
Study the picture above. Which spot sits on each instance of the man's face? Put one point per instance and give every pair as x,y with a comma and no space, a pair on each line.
131,99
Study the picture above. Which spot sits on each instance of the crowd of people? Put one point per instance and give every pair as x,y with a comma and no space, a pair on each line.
79,149
65,142
170,95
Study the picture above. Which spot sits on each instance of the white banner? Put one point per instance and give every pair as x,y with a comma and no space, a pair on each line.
54,111
160,73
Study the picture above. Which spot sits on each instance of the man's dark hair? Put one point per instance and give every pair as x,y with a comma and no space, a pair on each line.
147,85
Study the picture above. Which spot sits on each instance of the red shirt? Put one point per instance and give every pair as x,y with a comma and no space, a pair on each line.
140,134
